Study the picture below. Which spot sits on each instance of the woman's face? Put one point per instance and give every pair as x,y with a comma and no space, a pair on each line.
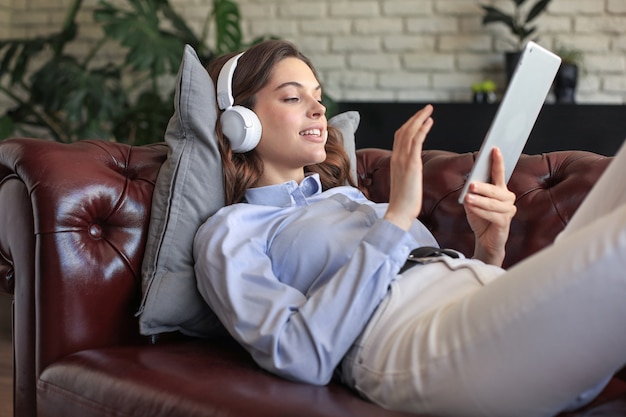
294,122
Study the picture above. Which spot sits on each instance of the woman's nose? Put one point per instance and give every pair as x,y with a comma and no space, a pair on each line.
317,109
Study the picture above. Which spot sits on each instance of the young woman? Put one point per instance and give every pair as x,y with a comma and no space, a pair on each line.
313,279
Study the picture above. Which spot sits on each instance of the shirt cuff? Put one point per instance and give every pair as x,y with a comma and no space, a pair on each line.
391,240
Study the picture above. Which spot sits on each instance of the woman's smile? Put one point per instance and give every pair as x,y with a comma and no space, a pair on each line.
313,134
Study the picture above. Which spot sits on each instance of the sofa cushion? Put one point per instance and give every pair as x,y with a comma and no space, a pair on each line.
189,189
186,378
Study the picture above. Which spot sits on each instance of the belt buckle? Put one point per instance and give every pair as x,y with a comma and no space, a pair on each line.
423,260
427,254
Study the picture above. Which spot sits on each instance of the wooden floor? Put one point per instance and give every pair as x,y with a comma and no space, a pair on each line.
6,376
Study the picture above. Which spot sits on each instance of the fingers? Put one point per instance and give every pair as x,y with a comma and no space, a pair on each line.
495,204
497,167
497,179
489,196
491,201
417,120
405,191
496,192
499,203
413,131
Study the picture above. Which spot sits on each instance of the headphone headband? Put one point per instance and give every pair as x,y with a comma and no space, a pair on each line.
225,97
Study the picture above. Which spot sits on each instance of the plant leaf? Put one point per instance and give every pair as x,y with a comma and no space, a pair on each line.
526,32
228,29
149,47
78,98
536,10
146,120
6,127
184,32
17,57
5,64
495,15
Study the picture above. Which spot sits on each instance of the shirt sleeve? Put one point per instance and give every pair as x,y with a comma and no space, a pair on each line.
297,336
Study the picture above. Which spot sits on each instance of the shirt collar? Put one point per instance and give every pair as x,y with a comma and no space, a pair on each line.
286,194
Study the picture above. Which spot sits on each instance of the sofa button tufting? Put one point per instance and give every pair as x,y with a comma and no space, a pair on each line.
95,231
9,280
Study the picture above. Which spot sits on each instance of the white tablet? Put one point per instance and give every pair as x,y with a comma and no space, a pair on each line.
517,113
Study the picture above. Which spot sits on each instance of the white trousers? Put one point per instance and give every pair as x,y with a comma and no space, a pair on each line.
460,338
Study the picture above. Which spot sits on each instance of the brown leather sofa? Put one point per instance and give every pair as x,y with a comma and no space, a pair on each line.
73,222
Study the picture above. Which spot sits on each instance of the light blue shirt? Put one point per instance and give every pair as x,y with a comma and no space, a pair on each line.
294,274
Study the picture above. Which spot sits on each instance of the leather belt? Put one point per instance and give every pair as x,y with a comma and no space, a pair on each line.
424,255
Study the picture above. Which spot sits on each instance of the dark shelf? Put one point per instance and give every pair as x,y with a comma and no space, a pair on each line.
460,127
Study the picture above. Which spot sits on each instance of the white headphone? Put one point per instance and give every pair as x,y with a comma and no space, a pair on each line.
240,125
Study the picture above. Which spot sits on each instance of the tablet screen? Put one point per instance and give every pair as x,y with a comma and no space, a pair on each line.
517,113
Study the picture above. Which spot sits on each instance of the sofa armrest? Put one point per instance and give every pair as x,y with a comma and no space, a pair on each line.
17,254
75,218
549,188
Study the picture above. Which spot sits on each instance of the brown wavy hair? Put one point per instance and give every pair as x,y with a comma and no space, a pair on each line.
254,70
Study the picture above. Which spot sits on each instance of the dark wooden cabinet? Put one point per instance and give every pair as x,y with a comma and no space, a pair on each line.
461,127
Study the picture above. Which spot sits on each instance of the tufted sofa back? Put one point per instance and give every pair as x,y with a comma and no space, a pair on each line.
74,217
549,188
73,223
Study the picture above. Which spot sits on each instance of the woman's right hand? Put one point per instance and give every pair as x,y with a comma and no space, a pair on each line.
405,196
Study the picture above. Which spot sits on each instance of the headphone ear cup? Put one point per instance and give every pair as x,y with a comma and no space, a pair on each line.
242,127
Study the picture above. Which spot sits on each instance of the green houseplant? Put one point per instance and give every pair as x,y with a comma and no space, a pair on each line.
72,99
519,22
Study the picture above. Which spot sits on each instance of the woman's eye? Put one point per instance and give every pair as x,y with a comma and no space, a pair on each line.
292,99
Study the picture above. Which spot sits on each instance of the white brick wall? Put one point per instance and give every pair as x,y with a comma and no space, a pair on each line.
435,49
395,50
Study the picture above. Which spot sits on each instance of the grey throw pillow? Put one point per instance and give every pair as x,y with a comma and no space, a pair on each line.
348,123
188,190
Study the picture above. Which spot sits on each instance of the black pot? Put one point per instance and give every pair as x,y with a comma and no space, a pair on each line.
565,83
510,62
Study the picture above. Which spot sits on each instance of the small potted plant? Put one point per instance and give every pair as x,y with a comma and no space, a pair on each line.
484,92
520,24
566,79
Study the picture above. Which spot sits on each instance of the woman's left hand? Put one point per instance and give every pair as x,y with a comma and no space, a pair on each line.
489,209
